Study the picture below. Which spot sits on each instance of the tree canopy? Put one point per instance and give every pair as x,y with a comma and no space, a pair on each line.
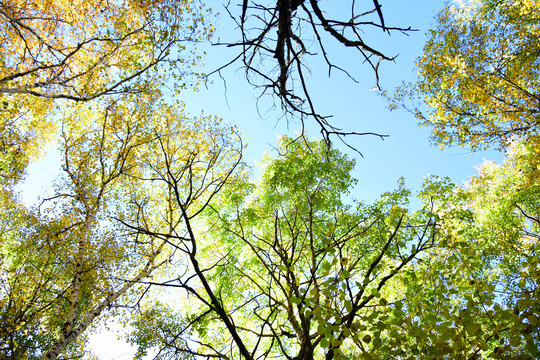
67,262
478,75
81,50
155,221
85,50
299,274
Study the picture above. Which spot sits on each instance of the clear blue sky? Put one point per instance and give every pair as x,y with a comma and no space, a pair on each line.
406,152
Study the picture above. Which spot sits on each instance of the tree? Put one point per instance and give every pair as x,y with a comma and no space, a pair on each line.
277,39
479,78
480,296
479,75
287,269
84,50
81,50
505,200
70,262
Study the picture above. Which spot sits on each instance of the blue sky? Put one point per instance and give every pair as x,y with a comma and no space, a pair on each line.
355,107
406,152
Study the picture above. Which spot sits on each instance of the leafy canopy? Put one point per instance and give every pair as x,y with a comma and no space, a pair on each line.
479,75
77,259
296,271
81,50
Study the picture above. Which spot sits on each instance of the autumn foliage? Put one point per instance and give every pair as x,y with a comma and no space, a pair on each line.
154,221
478,76
81,50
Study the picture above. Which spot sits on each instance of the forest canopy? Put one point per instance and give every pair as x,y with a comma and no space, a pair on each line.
155,221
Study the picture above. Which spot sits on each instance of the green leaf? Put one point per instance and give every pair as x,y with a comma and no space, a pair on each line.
295,300
324,343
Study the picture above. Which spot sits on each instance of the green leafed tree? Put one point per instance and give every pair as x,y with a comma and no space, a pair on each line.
481,299
478,76
287,268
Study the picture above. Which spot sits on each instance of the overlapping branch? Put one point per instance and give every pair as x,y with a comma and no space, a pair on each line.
278,38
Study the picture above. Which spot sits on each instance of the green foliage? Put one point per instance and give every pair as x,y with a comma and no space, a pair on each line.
478,77
482,293
289,266
298,271
155,326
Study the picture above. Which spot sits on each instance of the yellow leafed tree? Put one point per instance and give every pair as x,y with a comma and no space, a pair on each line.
479,74
81,50
89,74
78,258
